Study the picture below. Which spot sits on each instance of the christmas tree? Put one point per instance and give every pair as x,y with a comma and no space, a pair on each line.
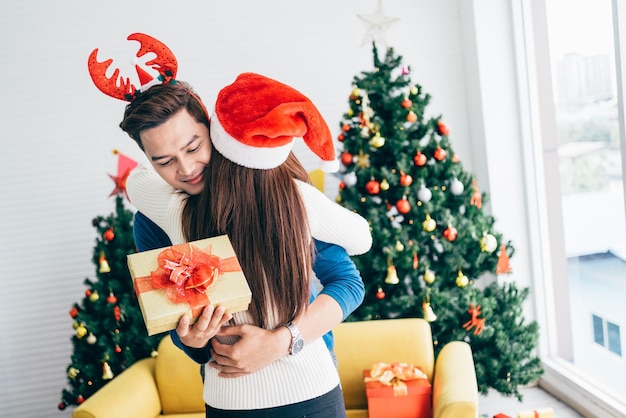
110,334
435,251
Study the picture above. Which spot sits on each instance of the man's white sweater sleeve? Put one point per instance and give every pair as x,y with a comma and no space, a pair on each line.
152,196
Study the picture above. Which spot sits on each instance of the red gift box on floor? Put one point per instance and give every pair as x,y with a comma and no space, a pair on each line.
173,281
407,399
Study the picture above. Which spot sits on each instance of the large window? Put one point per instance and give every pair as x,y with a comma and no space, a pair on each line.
585,155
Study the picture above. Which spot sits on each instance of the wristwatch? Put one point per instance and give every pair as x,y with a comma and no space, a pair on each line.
296,339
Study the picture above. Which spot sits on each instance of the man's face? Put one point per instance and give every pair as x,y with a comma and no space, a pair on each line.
179,149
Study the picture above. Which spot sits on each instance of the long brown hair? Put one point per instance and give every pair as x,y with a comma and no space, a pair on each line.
159,103
264,216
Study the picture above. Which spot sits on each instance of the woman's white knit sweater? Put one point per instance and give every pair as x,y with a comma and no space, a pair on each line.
290,379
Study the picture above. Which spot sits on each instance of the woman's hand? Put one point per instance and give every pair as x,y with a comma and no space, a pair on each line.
208,324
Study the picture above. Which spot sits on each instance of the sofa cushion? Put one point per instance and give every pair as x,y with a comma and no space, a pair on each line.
178,380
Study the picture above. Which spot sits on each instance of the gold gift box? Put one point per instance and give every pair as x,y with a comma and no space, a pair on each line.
229,289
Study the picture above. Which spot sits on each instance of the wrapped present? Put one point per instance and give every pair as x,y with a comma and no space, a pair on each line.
182,279
397,390
537,413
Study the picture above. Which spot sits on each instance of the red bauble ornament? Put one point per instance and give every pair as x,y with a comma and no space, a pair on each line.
117,313
403,206
440,154
442,128
341,137
74,312
342,185
88,292
346,158
450,233
406,103
411,117
380,294
111,298
405,179
372,187
345,127
62,406
420,159
118,349
80,399
109,234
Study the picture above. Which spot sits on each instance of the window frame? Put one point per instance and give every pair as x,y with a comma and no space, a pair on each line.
537,121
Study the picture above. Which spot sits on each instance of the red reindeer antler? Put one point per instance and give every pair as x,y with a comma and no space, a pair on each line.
164,62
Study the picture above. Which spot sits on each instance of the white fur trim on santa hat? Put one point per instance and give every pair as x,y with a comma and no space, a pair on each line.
246,155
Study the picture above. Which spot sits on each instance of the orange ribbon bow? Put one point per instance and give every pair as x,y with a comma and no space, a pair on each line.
186,272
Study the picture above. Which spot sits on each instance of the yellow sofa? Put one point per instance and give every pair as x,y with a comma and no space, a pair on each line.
170,384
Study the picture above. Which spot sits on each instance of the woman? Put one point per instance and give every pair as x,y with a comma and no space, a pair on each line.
250,194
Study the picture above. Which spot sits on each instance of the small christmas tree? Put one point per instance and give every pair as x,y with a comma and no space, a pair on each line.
433,244
110,332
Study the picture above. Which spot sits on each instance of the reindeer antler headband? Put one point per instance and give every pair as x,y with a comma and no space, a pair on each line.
165,63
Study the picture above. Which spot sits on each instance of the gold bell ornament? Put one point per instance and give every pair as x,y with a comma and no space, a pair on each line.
107,373
104,264
392,274
429,314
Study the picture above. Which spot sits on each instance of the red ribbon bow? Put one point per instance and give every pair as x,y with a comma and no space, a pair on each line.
185,272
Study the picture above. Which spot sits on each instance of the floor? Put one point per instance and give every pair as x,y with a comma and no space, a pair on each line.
534,398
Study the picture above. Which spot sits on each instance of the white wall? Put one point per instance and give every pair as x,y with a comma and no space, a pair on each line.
57,131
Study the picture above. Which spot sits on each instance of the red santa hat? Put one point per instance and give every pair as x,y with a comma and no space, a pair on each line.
257,118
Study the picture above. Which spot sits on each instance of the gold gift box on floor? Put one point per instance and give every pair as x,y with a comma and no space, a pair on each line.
183,263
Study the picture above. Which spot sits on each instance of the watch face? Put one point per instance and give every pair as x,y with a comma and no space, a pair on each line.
297,346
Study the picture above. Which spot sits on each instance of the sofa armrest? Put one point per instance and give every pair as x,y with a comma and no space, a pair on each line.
455,390
132,394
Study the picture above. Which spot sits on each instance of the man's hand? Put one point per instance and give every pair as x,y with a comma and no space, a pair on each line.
208,324
255,349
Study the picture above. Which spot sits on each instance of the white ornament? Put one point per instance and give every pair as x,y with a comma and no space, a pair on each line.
424,194
456,187
397,222
488,243
349,179
392,212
